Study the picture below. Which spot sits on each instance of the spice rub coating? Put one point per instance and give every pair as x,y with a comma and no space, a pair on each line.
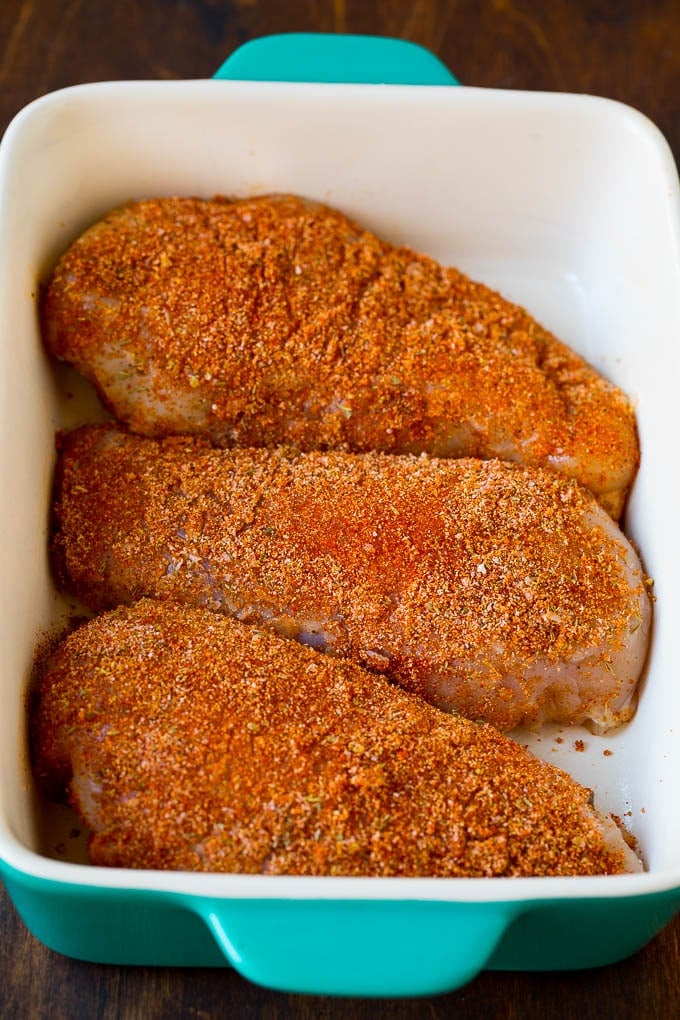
189,741
278,320
500,592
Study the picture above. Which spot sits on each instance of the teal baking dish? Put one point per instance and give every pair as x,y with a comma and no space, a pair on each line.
570,205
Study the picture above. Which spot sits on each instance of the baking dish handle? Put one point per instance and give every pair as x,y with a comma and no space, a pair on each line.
327,57
360,948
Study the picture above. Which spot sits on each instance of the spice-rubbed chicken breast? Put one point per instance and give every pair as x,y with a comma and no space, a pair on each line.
276,320
500,592
190,741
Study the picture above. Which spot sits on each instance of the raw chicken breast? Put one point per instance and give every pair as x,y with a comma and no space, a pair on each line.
189,741
276,320
500,592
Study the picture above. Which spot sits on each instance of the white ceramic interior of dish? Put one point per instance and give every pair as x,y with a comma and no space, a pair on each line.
567,204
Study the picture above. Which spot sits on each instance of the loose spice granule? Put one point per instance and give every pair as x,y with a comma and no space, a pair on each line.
190,741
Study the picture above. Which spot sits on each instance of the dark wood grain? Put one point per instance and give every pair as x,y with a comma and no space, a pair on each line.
628,51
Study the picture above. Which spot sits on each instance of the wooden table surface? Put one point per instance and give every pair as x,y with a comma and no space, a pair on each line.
628,51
